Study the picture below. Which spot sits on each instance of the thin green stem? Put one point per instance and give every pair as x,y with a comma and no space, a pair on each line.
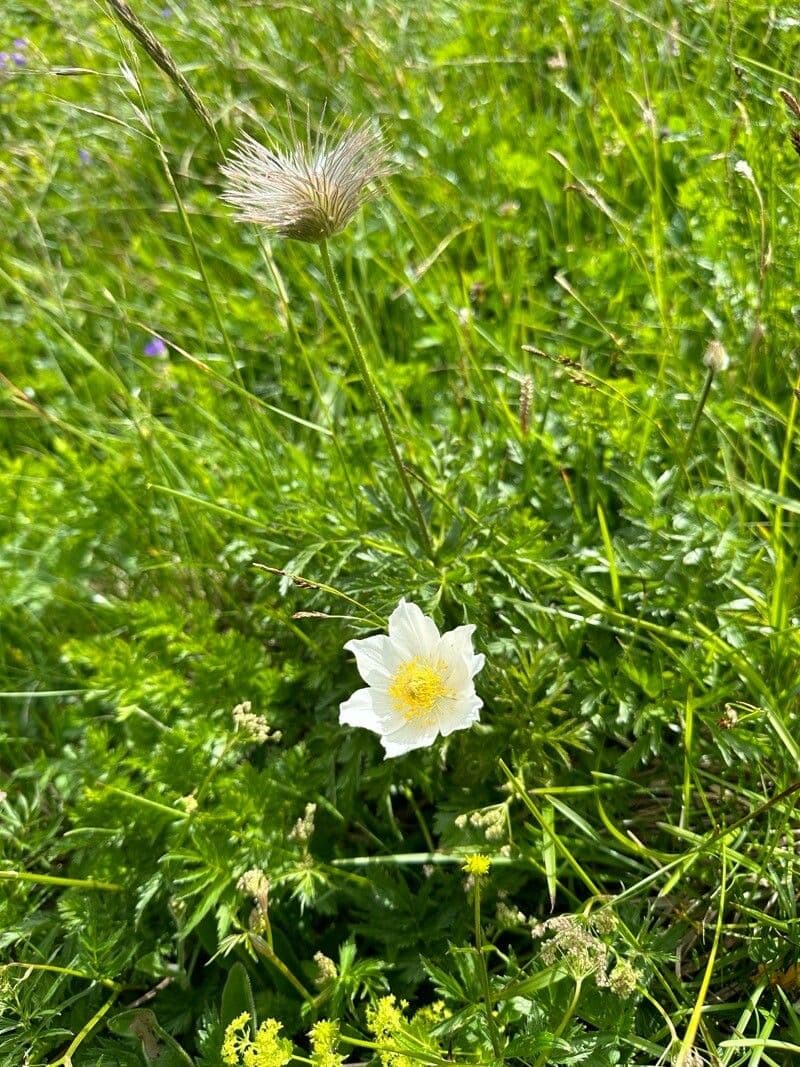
374,395
412,800
698,411
697,1014
778,607
297,341
565,1021
144,802
80,1037
51,879
215,766
423,1057
266,950
494,1035
69,971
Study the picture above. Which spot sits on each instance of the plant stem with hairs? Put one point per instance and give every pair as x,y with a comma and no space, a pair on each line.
374,395
494,1035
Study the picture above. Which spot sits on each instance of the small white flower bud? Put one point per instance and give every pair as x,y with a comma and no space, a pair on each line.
622,980
304,827
326,969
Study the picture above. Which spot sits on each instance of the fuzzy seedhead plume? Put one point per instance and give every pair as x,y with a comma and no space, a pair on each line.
310,191
716,358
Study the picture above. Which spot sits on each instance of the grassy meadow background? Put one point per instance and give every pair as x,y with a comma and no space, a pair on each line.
611,184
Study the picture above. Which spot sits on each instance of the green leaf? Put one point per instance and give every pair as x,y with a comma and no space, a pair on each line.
237,997
156,1044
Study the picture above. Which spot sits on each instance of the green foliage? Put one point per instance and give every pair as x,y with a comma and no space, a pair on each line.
588,193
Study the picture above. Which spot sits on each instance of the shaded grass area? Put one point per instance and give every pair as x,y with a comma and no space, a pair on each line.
611,185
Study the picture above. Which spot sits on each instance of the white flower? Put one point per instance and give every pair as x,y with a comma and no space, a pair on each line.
420,682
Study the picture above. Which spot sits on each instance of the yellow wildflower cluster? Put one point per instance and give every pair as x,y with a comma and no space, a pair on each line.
431,1014
324,1037
385,1021
267,1049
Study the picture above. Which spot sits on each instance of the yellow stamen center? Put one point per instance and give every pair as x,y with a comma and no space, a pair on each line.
419,687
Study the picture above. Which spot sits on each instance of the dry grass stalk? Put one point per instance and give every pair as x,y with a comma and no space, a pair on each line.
163,60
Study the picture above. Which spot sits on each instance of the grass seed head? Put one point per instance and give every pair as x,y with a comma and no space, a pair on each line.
525,396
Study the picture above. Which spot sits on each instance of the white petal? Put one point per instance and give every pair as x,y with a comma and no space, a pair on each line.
360,710
369,655
458,642
416,632
477,664
456,676
457,666
464,712
460,639
407,738
370,709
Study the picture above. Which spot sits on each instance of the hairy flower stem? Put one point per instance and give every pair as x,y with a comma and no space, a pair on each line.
701,403
565,1021
494,1036
374,395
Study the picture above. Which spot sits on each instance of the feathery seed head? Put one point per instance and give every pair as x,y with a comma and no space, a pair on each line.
310,191
716,358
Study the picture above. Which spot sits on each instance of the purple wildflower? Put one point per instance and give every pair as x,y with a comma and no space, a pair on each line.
20,43
20,59
4,60
84,156
155,348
